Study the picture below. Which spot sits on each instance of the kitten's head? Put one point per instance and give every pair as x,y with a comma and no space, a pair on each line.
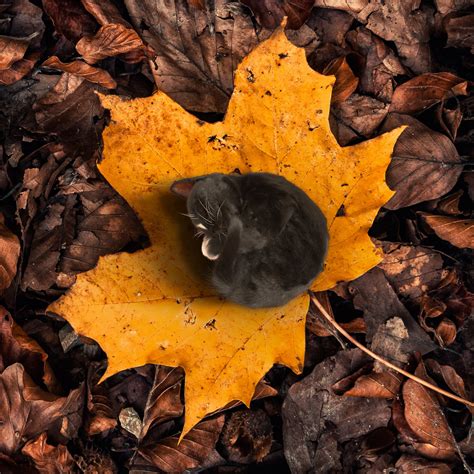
212,201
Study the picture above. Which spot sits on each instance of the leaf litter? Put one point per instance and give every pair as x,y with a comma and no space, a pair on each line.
65,216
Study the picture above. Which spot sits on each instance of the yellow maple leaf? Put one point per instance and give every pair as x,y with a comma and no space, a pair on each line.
153,306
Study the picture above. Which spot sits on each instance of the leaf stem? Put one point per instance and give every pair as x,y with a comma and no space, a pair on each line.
383,361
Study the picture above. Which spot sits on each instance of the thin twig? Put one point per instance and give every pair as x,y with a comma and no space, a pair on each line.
383,361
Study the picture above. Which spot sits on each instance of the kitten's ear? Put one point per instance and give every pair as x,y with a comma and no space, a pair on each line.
183,187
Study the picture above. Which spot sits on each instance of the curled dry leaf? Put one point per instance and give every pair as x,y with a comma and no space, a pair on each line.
19,69
9,253
446,332
49,459
163,281
460,31
458,232
450,6
346,81
110,40
196,450
11,50
28,411
270,13
450,204
247,436
426,90
420,156
81,69
70,18
426,419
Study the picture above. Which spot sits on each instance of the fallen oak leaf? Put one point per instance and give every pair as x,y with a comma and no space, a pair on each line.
9,253
81,69
154,303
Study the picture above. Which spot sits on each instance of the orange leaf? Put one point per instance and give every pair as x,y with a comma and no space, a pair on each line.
154,306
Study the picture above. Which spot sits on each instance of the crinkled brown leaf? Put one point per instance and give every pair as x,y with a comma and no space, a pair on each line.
247,436
357,117
450,204
420,156
11,50
19,69
460,31
82,69
425,90
381,64
49,459
27,411
110,40
412,271
197,449
270,13
70,18
346,81
425,417
9,253
457,231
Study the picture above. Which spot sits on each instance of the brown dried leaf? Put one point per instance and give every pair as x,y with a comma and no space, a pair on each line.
270,13
373,294
357,117
425,90
458,232
81,69
381,64
412,271
72,111
11,50
164,401
26,21
49,459
450,6
408,464
9,253
247,436
450,204
110,40
18,69
425,417
384,384
197,449
105,12
420,156
16,346
28,411
460,31
70,19
346,81
446,332
352,6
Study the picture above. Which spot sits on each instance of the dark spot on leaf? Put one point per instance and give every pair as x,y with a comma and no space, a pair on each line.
341,211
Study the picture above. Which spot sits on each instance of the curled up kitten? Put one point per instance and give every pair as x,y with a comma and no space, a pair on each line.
267,238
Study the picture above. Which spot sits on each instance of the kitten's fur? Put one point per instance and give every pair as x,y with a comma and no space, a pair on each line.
267,237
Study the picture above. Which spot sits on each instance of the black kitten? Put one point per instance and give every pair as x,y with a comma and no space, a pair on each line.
267,237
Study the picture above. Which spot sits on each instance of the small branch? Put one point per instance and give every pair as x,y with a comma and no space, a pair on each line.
383,361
